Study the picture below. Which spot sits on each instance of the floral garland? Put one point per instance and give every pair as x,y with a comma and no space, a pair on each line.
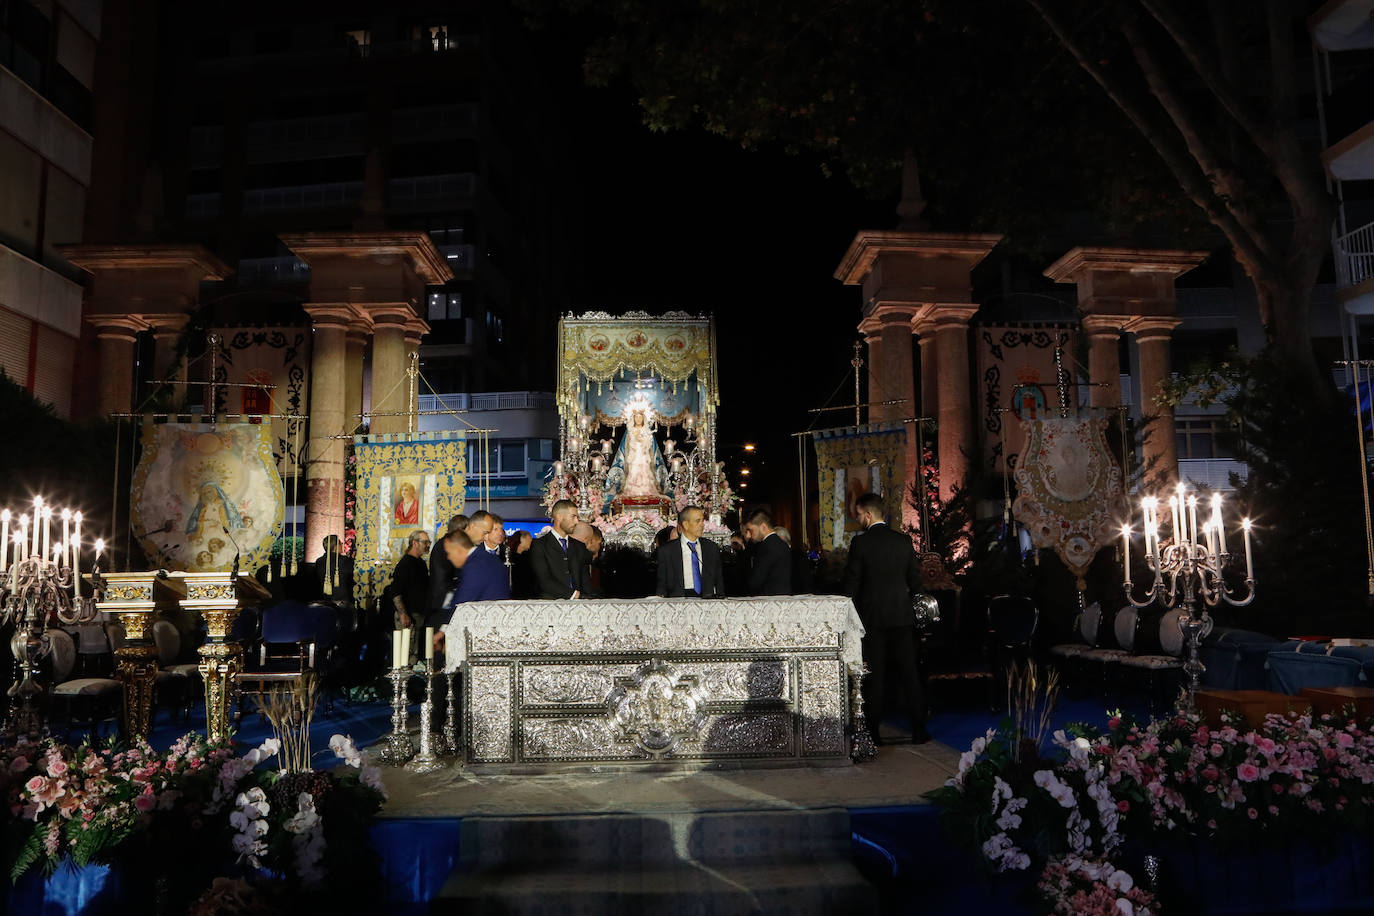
91,804
1069,815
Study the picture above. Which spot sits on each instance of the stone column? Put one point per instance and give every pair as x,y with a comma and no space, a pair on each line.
1159,450
389,384
1104,360
875,381
930,371
324,466
166,332
895,371
955,411
117,335
358,334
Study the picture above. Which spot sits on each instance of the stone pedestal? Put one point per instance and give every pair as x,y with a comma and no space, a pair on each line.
1131,289
218,597
918,279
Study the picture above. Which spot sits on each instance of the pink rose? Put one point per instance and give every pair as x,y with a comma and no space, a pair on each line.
1252,813
56,767
1123,806
36,784
1247,772
1343,740
1114,723
145,803
1265,745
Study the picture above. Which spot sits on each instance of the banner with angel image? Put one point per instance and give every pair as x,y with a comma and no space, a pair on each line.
204,493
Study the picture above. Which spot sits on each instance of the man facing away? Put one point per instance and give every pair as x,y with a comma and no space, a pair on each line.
559,560
770,566
408,592
881,575
689,565
441,571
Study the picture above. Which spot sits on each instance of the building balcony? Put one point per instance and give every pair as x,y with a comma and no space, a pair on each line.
489,400
1354,257
1212,473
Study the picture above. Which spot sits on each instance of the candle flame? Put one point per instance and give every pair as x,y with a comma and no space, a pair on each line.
99,545
1245,523
4,515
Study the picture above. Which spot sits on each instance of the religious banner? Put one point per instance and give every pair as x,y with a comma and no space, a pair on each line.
267,371
1017,382
852,461
405,481
1069,488
204,494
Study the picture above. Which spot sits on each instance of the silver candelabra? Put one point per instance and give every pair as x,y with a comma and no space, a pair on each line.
427,760
399,747
1189,570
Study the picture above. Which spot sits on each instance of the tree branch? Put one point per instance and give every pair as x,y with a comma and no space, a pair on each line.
1186,171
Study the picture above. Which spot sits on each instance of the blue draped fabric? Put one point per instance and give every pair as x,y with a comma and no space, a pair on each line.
1235,659
1313,664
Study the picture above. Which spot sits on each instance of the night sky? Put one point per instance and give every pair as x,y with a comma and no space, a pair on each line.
691,221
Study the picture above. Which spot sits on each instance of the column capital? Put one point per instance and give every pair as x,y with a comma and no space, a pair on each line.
416,329
359,330
1105,325
868,246
117,327
887,316
1146,328
950,315
390,314
170,324
1082,259
337,315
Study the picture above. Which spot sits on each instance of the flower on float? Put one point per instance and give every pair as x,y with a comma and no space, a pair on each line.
372,778
344,748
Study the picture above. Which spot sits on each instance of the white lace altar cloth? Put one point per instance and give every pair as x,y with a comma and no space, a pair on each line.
621,625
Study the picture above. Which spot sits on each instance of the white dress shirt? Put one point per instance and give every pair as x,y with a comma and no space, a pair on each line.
687,563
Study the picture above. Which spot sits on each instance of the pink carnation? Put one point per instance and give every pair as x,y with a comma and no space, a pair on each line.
1247,772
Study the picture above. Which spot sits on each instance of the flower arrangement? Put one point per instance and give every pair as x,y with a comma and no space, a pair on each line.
1068,813
114,804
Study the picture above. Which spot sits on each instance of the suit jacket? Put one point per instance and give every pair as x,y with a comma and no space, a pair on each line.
671,582
441,575
770,570
553,570
881,575
484,579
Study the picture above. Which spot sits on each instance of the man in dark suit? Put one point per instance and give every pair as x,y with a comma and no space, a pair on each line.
770,563
560,561
689,565
484,579
881,575
441,571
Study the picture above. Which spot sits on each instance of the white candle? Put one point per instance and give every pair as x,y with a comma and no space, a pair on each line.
37,517
1249,563
1192,522
1218,523
395,648
429,644
4,538
47,532
66,534
1126,549
76,551
405,647
1209,532
21,548
1173,507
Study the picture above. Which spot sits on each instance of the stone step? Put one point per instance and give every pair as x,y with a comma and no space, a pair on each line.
794,861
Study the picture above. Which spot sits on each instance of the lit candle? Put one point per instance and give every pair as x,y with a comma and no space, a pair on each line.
1209,533
429,644
4,538
76,551
395,648
1192,522
596,462
677,464
66,535
668,445
19,538
1249,563
1217,522
37,517
688,422
1173,507
47,532
1154,542
558,468
1126,549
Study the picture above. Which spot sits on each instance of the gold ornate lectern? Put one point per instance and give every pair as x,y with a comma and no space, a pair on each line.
218,597
133,598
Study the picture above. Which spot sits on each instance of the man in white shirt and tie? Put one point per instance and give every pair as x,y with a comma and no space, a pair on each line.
689,565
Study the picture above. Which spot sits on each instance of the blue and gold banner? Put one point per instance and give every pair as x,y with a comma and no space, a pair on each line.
405,481
852,461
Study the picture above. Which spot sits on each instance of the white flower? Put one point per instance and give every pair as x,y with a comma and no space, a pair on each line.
1120,881
372,778
1125,907
1060,792
305,817
238,820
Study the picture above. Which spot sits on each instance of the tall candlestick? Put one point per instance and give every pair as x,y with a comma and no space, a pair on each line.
21,547
76,551
1173,507
4,538
47,533
1218,523
37,517
429,644
395,648
1126,549
66,535
1249,563
405,647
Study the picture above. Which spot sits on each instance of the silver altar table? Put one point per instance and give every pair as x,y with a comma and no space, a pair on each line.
633,682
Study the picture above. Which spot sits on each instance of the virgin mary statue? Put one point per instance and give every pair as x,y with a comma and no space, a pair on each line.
638,465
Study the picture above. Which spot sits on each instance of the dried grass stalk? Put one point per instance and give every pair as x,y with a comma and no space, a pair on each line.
290,710
1031,697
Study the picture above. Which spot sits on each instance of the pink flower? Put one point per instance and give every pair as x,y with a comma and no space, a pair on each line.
1114,723
1247,772
1265,745
145,802
19,764
56,767
1252,813
1123,806
1343,740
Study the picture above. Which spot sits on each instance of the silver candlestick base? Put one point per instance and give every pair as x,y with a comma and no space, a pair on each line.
427,760
453,735
399,747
